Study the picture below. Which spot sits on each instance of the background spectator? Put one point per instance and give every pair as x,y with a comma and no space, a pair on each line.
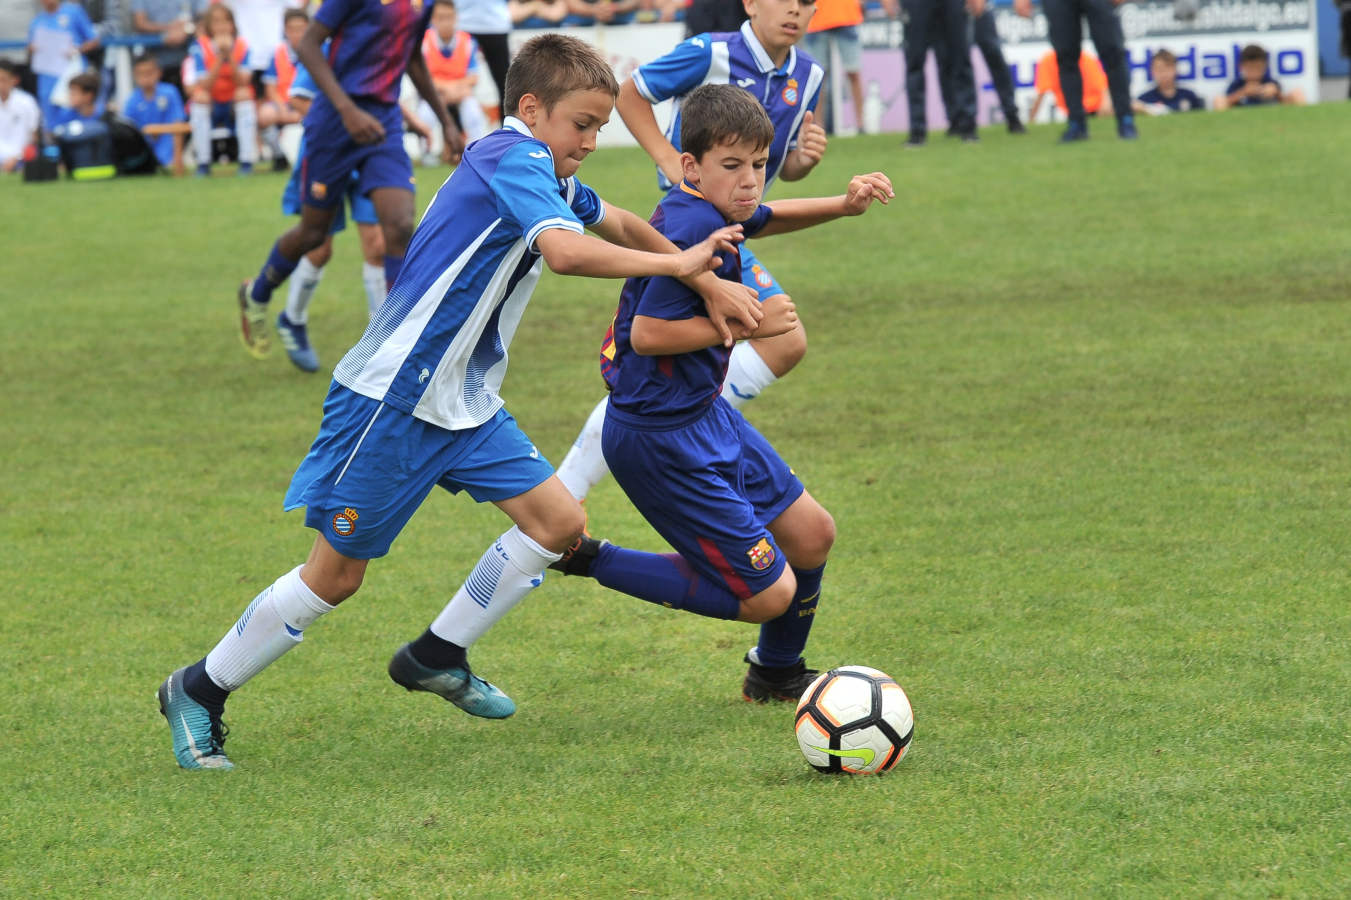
713,15
57,37
171,20
551,11
83,106
660,10
1166,96
1093,96
451,60
220,88
489,23
1254,85
156,103
605,12
834,27
947,22
19,118
1065,18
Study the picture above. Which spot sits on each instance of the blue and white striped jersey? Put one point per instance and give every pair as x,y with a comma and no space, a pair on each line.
736,57
438,346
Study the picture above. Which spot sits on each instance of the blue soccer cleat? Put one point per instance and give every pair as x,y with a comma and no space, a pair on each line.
199,736
296,342
1125,128
1076,131
458,685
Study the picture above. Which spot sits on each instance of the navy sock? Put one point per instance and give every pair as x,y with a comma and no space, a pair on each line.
201,688
436,652
275,271
393,266
783,639
664,579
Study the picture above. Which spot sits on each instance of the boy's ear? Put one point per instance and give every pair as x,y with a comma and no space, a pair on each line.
689,167
528,109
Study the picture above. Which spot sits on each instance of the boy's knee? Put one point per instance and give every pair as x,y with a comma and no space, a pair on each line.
770,603
398,233
199,96
559,531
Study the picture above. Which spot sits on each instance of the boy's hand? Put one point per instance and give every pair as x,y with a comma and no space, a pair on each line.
780,317
703,256
864,189
362,126
734,309
811,140
224,44
452,147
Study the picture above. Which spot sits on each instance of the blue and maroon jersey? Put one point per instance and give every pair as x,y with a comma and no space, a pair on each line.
372,43
671,387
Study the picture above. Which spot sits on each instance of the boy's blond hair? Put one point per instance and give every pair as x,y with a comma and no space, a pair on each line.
552,66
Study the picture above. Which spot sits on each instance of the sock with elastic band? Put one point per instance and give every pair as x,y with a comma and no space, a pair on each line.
273,623
276,270
373,280
508,570
747,376
304,282
584,466
246,131
199,119
783,639
664,579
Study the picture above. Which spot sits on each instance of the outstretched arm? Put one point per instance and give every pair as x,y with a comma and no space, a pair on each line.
569,253
794,215
666,337
641,122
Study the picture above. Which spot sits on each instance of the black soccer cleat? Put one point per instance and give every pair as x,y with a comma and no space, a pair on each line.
578,558
783,683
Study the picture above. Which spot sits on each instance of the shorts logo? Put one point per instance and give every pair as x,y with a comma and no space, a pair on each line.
345,522
318,189
762,278
761,555
790,92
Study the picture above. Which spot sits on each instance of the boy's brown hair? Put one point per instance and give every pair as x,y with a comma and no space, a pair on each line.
552,66
87,82
716,114
1165,56
294,12
1253,53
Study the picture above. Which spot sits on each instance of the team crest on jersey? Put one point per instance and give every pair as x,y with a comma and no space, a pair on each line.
762,278
345,522
790,94
761,555
318,189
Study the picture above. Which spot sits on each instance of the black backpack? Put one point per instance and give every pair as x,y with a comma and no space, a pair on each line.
131,151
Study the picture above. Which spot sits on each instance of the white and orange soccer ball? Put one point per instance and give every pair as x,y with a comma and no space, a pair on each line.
854,719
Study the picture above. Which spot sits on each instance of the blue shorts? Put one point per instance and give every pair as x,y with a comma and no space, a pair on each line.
754,275
223,115
331,155
372,465
709,487
363,210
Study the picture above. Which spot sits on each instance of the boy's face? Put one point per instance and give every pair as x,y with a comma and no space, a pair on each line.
731,176
81,99
146,76
1164,72
570,128
295,30
443,20
780,23
1252,69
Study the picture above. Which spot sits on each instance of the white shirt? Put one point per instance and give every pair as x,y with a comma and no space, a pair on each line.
260,25
19,119
483,16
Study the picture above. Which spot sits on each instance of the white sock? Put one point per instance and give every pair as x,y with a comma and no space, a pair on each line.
199,118
584,466
747,376
507,571
373,277
246,131
272,624
304,282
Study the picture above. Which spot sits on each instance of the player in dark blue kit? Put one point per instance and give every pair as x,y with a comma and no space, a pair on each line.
752,543
355,124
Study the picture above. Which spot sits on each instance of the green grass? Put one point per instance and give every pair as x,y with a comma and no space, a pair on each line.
1081,414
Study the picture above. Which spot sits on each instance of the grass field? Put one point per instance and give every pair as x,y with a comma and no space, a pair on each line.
1082,415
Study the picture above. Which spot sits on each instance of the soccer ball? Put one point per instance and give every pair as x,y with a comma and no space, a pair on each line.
854,719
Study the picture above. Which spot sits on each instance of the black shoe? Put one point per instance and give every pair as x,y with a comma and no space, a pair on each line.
279,164
787,683
578,558
969,137
1016,125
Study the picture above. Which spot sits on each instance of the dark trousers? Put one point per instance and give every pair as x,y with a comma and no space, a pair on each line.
1065,18
986,37
498,57
945,22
